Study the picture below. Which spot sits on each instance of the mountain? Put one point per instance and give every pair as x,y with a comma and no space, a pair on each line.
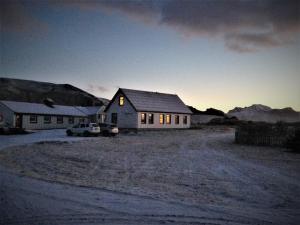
264,113
37,92
104,100
210,111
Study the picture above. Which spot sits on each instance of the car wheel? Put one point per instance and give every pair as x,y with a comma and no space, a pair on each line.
69,133
86,133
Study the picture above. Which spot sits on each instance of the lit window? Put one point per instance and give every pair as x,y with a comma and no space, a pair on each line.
185,119
59,119
33,119
150,118
121,100
161,118
176,119
143,118
47,119
168,119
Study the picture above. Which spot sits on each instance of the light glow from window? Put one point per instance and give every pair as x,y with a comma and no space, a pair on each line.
121,100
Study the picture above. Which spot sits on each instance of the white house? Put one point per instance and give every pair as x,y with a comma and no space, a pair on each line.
40,116
147,110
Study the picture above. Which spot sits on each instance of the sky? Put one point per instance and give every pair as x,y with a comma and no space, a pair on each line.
212,53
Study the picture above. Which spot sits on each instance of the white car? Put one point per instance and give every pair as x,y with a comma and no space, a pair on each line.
85,129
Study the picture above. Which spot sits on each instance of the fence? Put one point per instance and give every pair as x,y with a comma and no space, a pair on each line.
264,134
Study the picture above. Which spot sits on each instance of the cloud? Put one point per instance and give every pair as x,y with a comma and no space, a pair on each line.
14,17
244,25
251,42
93,88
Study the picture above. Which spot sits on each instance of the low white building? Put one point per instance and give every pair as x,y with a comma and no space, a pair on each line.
147,110
95,113
33,116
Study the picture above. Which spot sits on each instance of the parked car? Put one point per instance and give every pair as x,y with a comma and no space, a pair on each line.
85,129
109,129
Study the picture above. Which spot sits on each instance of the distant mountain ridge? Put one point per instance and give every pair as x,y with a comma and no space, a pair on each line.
36,92
258,112
209,111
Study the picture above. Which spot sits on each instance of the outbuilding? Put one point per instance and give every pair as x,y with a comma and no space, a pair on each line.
39,116
135,109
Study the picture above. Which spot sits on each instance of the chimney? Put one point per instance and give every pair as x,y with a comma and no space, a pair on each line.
48,102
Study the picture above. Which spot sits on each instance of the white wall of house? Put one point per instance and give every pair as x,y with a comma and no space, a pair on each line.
127,116
53,125
156,124
7,114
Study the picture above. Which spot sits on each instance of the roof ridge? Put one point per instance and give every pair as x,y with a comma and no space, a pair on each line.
154,92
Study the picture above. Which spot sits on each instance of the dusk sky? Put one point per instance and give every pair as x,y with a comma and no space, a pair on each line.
218,54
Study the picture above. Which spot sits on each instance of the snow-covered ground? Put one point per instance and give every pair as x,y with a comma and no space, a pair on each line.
178,177
37,136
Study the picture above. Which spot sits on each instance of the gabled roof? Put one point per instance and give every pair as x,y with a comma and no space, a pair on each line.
36,108
90,110
145,101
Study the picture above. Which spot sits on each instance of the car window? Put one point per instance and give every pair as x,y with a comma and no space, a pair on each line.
94,125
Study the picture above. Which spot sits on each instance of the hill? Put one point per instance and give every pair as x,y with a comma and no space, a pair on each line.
36,92
264,113
210,111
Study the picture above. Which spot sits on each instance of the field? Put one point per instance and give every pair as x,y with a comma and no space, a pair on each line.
202,168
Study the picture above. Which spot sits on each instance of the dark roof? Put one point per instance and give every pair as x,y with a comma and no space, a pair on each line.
37,108
91,110
145,101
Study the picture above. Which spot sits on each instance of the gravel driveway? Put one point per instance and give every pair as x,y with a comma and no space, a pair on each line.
178,177
37,136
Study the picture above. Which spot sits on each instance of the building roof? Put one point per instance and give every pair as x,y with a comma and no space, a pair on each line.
37,108
91,110
155,102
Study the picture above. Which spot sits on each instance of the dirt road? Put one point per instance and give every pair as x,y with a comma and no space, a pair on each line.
178,177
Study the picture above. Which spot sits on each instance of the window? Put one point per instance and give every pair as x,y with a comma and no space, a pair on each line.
185,119
150,118
33,119
114,118
47,119
71,120
176,119
143,118
59,119
161,118
121,100
168,119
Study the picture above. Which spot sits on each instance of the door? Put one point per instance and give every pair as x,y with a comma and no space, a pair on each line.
19,120
114,118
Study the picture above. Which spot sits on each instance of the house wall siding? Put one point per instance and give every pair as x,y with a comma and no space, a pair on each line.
127,116
157,125
8,115
53,125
